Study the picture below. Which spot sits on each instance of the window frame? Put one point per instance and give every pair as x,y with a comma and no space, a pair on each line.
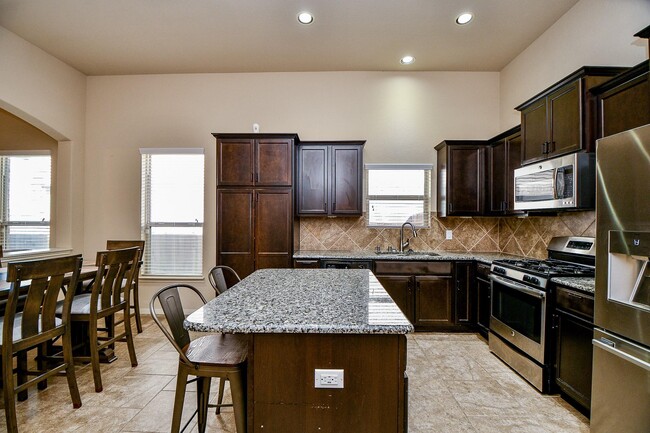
4,197
146,224
426,197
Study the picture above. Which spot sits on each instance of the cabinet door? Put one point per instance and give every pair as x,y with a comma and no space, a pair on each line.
346,180
626,106
273,223
465,184
434,301
464,276
235,162
274,162
513,159
235,246
498,175
483,304
311,187
574,358
400,288
564,120
533,130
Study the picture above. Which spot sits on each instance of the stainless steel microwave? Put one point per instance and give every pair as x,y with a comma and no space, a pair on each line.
565,182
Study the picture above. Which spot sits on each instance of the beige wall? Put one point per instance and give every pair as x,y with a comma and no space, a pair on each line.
50,95
592,33
402,117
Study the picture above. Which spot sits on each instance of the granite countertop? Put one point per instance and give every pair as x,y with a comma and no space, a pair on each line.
417,256
585,284
332,301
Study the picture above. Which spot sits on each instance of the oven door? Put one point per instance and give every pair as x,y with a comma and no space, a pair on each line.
519,315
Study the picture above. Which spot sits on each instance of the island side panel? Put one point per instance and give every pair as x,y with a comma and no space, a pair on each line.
284,398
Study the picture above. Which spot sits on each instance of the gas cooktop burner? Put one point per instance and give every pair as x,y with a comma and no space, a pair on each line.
547,267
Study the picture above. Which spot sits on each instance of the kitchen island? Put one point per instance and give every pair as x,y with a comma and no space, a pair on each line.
300,320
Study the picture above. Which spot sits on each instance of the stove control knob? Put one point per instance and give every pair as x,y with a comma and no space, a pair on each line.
498,270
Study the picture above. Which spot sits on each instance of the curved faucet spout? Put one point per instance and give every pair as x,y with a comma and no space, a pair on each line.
404,244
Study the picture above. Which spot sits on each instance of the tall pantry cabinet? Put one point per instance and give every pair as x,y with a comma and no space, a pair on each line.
256,227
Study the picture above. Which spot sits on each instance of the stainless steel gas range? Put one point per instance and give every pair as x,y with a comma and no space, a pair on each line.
523,302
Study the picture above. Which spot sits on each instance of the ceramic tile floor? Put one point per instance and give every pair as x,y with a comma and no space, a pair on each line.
455,385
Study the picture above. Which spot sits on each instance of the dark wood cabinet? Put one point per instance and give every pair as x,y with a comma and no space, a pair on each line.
424,291
329,178
256,227
562,118
574,332
462,175
400,288
624,101
306,263
503,158
434,301
255,159
483,296
464,286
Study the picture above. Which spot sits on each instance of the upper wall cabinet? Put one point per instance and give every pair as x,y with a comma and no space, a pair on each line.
462,173
624,101
504,156
255,159
561,119
329,178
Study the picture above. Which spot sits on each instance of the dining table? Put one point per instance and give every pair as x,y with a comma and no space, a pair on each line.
326,349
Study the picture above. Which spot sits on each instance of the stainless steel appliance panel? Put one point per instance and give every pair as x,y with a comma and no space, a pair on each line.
566,182
621,394
519,316
623,233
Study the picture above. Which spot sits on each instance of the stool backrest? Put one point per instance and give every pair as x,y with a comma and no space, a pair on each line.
217,278
170,301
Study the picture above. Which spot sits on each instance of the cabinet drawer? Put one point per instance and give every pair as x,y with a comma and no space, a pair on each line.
412,268
575,302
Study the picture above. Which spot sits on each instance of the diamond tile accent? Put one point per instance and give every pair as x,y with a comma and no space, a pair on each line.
515,235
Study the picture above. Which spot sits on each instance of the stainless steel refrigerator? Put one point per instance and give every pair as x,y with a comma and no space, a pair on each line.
621,367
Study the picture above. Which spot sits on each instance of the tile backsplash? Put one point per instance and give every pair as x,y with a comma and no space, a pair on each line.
526,236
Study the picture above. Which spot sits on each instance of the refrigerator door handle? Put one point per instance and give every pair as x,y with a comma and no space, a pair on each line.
621,354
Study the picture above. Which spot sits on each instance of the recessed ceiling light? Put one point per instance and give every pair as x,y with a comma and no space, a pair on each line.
305,18
407,60
464,18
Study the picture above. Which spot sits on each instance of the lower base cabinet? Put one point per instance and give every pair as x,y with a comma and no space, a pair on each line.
575,330
435,295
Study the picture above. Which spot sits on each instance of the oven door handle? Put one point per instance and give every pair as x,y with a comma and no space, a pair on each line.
516,286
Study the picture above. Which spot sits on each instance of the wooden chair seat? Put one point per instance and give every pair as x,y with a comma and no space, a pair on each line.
217,350
18,322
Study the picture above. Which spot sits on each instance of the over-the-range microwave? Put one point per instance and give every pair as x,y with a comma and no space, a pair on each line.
566,182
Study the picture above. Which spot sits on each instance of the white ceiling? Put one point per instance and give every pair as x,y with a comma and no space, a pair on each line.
106,37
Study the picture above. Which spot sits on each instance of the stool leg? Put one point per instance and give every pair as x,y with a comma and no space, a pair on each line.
202,398
181,384
9,397
222,382
238,391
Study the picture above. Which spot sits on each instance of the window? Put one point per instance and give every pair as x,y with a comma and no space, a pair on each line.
26,182
397,193
172,211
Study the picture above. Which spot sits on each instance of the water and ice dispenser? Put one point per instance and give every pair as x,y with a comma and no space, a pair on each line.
629,268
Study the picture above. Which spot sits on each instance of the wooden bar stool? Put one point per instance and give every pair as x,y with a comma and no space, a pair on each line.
214,355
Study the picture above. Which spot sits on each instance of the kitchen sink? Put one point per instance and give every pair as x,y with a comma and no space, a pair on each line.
407,253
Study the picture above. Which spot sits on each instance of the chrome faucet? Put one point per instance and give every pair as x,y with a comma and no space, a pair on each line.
402,243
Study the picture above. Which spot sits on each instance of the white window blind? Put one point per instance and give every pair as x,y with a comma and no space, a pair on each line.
172,211
396,193
26,182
